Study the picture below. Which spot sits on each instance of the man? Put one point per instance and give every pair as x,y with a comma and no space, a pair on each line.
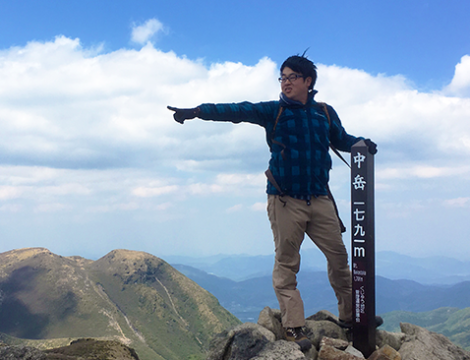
299,131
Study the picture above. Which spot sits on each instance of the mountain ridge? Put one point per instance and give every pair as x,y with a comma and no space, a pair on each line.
130,296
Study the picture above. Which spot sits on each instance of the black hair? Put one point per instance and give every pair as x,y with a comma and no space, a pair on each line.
300,64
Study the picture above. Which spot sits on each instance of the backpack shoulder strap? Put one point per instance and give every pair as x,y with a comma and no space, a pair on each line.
330,195
325,109
281,109
268,172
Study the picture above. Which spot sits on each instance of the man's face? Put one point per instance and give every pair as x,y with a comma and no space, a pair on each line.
295,89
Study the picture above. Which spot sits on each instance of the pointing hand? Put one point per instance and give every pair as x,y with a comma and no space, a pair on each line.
181,115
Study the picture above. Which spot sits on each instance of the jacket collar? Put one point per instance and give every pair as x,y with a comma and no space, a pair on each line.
284,101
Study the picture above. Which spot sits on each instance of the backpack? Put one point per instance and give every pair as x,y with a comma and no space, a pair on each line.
273,181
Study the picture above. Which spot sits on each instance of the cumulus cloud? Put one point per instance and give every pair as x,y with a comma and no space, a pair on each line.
141,34
460,84
109,110
88,132
63,106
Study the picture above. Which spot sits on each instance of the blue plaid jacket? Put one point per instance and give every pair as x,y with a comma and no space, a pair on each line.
300,161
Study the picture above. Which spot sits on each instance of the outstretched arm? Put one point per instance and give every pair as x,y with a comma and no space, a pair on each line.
256,113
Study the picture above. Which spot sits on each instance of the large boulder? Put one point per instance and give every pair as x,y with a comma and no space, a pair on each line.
323,315
394,340
385,353
282,349
317,330
271,320
337,349
92,349
245,341
329,352
422,344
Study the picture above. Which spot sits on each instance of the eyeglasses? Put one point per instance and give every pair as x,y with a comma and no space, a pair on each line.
291,78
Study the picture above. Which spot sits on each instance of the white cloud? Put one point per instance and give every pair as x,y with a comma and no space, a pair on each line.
164,206
204,189
9,192
143,33
392,113
233,184
458,202
259,206
234,208
89,132
154,191
229,183
11,208
460,85
422,171
54,207
108,110
113,207
241,180
65,106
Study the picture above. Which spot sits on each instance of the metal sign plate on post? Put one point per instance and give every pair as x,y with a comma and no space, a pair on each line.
363,248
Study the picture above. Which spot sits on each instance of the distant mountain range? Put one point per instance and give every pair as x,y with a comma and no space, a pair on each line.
430,270
441,308
130,296
245,299
242,283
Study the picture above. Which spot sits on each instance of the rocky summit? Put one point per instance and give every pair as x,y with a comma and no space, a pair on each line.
265,341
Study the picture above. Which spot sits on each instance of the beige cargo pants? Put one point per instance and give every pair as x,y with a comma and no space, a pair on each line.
290,220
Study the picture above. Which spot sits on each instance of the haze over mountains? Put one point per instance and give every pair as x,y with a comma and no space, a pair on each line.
245,299
243,283
391,265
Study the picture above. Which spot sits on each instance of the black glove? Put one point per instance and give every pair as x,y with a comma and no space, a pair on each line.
181,115
372,146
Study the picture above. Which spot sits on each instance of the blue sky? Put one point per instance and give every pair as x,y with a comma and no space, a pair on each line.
422,40
92,161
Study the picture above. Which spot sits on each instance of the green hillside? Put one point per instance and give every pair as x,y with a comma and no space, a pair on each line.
129,296
451,322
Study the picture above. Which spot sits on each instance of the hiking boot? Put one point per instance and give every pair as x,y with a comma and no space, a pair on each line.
348,324
298,336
